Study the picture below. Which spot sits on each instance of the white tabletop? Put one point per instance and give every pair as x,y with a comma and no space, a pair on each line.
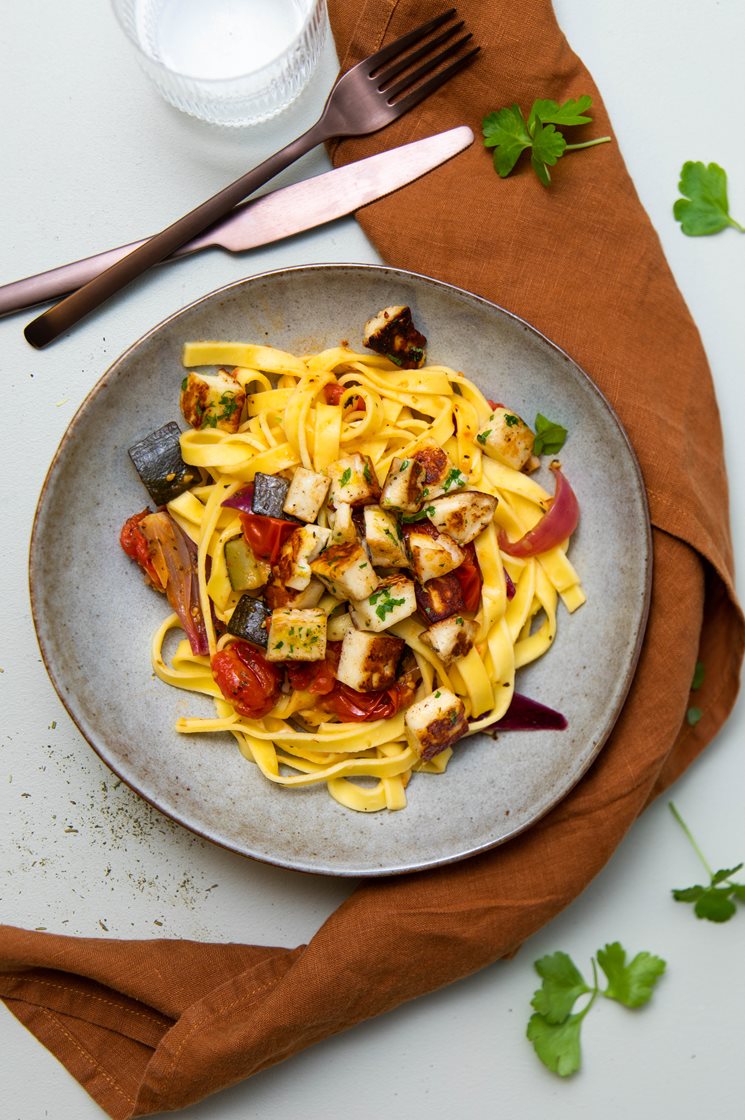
91,158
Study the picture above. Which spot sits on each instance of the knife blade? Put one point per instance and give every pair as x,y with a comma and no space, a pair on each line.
271,217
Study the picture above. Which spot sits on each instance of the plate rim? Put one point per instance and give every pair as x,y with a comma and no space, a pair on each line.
648,564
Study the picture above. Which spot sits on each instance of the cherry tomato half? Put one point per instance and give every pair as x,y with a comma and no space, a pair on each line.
315,676
136,546
470,579
266,535
352,706
245,678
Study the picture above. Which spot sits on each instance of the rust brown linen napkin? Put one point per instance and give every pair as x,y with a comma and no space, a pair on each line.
153,1026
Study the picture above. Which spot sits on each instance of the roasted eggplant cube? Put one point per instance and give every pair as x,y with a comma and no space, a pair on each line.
270,491
440,598
157,459
392,332
250,620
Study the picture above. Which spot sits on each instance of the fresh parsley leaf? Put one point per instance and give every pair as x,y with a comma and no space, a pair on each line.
555,1027
557,1044
549,436
562,984
705,207
346,476
715,902
483,436
630,984
510,134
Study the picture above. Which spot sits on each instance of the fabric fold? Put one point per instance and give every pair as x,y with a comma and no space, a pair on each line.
151,1027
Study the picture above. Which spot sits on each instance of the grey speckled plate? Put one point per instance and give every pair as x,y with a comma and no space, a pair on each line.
94,615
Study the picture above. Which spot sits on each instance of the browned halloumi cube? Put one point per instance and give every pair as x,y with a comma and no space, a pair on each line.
463,515
404,485
297,635
307,493
353,480
507,438
432,556
392,332
435,723
369,661
451,638
441,476
393,600
346,570
440,598
212,400
302,546
338,625
384,539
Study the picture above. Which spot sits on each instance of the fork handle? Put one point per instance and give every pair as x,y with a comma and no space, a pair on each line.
49,326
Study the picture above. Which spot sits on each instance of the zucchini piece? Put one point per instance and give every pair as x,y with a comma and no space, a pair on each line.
157,459
250,620
245,571
270,492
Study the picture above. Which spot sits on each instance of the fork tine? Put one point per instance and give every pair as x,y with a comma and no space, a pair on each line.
409,40
426,68
410,59
419,94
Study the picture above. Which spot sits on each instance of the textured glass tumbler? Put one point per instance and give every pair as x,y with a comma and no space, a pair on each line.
229,62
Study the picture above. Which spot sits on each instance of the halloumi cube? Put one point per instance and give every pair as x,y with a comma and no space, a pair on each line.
404,485
342,524
384,539
462,516
307,493
369,661
441,476
451,638
212,400
507,438
432,556
393,600
297,635
346,570
278,595
392,332
301,547
435,723
353,480
338,626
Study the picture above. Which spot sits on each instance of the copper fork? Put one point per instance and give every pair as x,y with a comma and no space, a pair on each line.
366,98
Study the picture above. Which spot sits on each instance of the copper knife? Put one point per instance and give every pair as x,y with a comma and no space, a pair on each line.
271,217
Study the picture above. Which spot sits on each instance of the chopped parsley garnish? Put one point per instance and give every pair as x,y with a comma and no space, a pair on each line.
482,437
229,405
184,383
386,602
404,465
366,473
510,420
454,478
346,476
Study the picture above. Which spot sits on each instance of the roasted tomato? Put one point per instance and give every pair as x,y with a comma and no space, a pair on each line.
266,535
332,392
245,678
137,547
315,676
352,706
470,579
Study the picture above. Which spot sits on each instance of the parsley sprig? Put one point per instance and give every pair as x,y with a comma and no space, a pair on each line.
510,134
555,1028
705,207
717,901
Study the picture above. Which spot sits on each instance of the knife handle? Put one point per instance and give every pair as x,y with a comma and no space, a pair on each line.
58,281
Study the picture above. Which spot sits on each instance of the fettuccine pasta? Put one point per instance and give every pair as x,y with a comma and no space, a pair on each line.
419,645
